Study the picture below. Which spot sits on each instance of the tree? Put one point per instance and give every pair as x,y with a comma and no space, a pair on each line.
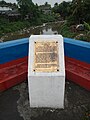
24,6
56,4
80,10
77,9
46,3
86,11
5,4
2,3
27,7
63,9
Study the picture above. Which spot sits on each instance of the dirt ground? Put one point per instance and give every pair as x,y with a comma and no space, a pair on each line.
14,105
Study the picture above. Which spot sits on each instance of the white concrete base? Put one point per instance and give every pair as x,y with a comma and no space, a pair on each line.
46,92
46,89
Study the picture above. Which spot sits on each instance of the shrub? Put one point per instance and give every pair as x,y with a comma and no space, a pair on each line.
66,32
87,26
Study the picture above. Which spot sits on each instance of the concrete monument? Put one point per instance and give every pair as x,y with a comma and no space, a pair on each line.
46,71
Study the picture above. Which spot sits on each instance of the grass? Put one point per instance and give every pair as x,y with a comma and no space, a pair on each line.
66,31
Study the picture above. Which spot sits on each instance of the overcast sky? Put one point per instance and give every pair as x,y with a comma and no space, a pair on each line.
40,2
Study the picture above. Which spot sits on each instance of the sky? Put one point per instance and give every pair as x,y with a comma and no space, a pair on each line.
40,2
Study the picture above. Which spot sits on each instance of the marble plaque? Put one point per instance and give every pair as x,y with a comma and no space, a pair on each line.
46,58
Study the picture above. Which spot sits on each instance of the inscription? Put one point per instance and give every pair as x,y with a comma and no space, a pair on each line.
46,56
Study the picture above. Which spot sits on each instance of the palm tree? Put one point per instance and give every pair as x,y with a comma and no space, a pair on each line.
77,9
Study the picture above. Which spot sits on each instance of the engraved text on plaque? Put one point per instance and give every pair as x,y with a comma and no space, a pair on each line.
46,57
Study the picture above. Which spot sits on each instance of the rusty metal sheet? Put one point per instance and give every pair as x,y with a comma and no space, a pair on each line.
46,58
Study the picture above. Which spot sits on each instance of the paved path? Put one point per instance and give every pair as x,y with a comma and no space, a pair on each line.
14,105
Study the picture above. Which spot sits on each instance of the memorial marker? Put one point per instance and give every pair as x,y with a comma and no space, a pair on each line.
46,56
46,71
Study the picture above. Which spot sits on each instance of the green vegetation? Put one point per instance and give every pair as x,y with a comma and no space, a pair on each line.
63,9
27,7
7,27
66,31
87,113
71,32
74,12
87,26
3,3
30,16
47,18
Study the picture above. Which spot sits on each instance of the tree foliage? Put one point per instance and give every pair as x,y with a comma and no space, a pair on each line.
63,9
77,11
5,4
2,3
81,10
27,7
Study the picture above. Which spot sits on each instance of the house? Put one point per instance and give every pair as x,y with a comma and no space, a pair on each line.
46,9
4,9
12,14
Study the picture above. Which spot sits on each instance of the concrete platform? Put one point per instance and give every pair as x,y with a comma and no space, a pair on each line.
14,105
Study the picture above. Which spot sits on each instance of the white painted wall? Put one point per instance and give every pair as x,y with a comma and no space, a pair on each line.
5,8
46,89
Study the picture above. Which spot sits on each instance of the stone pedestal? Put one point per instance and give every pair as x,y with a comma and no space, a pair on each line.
46,71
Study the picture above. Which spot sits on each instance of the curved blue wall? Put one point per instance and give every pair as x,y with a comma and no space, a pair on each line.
78,50
16,49
13,50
